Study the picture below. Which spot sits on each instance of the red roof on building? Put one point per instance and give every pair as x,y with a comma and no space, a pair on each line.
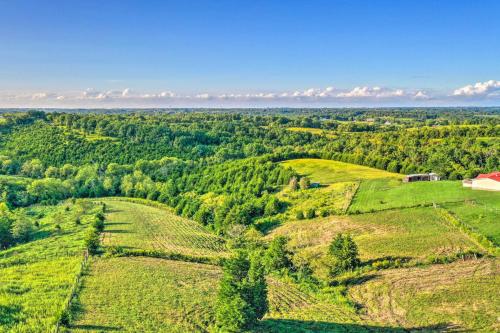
494,175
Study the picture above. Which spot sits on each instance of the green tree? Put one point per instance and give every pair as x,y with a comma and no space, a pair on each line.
277,256
293,184
344,254
242,298
22,229
272,207
92,240
6,238
33,168
305,183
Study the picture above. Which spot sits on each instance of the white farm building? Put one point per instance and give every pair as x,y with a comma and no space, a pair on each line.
488,181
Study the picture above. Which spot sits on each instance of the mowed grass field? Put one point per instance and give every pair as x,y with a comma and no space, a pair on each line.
379,194
478,209
316,131
462,296
413,234
138,226
140,294
155,295
482,213
329,172
36,277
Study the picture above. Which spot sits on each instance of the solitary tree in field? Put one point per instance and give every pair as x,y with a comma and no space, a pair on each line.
242,298
305,183
293,184
344,254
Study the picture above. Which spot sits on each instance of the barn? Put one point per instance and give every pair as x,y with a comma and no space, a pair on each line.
486,181
418,177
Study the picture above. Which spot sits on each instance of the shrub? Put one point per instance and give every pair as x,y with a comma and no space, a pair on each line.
92,241
293,184
98,222
305,183
324,213
299,215
310,213
22,229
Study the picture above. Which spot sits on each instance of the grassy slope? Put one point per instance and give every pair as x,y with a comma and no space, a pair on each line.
482,213
462,294
480,209
333,198
138,226
412,233
383,194
328,172
36,277
133,294
146,295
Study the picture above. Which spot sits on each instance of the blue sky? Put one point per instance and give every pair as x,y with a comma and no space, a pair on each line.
249,53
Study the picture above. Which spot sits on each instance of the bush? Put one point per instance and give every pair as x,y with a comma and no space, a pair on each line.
299,215
310,213
324,213
92,241
305,183
22,229
98,222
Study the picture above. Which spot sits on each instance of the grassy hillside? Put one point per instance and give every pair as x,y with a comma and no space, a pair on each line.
146,295
138,226
412,234
156,295
462,294
36,277
333,199
382,194
481,213
328,171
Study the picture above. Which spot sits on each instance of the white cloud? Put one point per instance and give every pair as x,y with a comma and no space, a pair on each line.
372,92
483,93
39,96
421,95
487,88
126,92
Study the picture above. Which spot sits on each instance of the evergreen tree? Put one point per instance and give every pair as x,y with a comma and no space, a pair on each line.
344,253
242,298
277,256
